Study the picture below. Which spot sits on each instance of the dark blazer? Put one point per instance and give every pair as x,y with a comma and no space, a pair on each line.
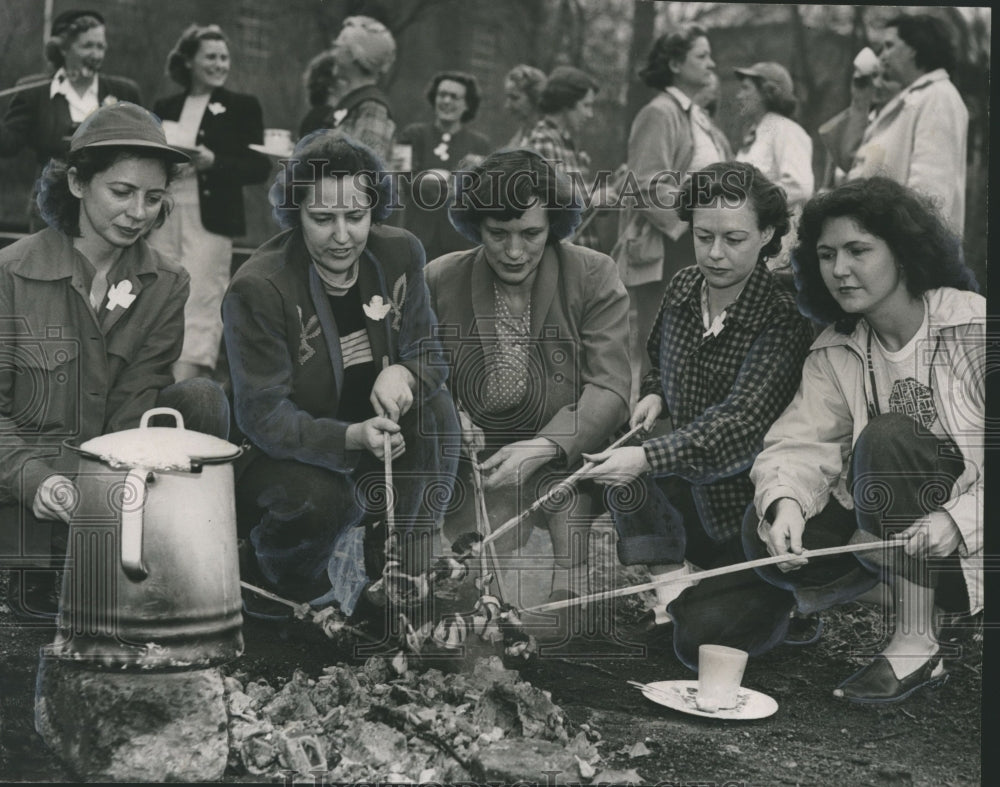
231,122
34,120
284,349
579,325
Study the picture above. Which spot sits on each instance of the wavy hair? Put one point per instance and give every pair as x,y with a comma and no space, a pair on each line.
735,184
472,93
667,49
66,32
504,185
927,252
328,153
187,47
60,208
318,78
529,80
930,39
565,88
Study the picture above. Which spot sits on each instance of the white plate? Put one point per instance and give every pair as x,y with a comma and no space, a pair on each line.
283,153
681,695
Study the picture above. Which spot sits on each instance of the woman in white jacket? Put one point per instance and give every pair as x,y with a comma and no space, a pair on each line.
885,433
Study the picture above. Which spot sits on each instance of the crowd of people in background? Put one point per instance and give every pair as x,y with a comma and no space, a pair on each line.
785,343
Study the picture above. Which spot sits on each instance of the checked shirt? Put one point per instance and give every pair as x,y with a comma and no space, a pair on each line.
722,392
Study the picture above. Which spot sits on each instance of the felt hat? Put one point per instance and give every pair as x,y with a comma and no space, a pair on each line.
124,124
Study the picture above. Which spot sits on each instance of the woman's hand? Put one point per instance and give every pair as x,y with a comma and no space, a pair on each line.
392,394
56,499
934,535
203,158
473,438
646,411
785,535
617,466
369,436
517,461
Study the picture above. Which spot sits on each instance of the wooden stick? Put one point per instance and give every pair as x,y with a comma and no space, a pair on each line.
390,492
560,487
303,610
483,526
25,86
714,572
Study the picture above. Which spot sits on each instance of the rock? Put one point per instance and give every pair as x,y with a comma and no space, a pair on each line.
639,750
529,760
372,743
133,726
292,702
260,691
612,776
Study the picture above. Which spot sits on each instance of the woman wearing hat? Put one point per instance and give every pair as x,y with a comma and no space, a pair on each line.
95,321
439,147
343,85
536,332
43,116
218,125
773,142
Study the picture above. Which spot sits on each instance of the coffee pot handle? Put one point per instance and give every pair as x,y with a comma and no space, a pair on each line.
178,418
133,504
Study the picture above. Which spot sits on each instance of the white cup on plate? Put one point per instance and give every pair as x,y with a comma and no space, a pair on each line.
278,139
720,672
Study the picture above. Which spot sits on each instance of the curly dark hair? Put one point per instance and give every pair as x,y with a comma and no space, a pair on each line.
775,99
930,38
60,208
565,88
927,252
734,184
328,153
472,93
187,47
66,32
504,185
669,48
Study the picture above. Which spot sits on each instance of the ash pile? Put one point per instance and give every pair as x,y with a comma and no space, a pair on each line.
386,724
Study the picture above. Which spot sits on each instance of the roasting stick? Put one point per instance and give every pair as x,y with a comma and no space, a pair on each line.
561,486
303,610
25,86
390,491
713,572
483,526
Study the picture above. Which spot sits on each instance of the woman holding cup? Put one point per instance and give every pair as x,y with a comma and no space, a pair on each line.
217,126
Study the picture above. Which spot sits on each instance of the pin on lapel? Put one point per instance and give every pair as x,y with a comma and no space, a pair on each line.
376,308
120,295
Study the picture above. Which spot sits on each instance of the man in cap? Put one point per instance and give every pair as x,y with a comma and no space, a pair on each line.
362,52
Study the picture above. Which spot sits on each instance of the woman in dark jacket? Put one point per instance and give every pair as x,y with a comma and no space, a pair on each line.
332,346
217,125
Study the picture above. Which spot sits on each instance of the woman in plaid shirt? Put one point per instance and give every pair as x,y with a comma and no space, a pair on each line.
726,351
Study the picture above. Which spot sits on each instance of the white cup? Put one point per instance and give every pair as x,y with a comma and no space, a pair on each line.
171,130
720,671
277,139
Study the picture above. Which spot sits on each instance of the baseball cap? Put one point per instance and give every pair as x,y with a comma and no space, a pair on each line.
370,43
774,74
124,125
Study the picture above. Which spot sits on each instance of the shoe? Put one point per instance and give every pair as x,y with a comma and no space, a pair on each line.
877,684
647,631
804,630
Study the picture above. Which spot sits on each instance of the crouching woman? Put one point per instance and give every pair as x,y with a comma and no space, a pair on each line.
330,339
885,433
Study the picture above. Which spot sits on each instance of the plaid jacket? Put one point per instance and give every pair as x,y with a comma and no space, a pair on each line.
722,392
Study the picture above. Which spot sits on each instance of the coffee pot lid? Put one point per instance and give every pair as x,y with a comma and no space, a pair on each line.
160,447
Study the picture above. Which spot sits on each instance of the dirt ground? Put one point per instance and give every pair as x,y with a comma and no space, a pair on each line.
933,738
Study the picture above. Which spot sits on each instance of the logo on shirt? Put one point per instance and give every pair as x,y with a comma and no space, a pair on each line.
308,330
120,295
